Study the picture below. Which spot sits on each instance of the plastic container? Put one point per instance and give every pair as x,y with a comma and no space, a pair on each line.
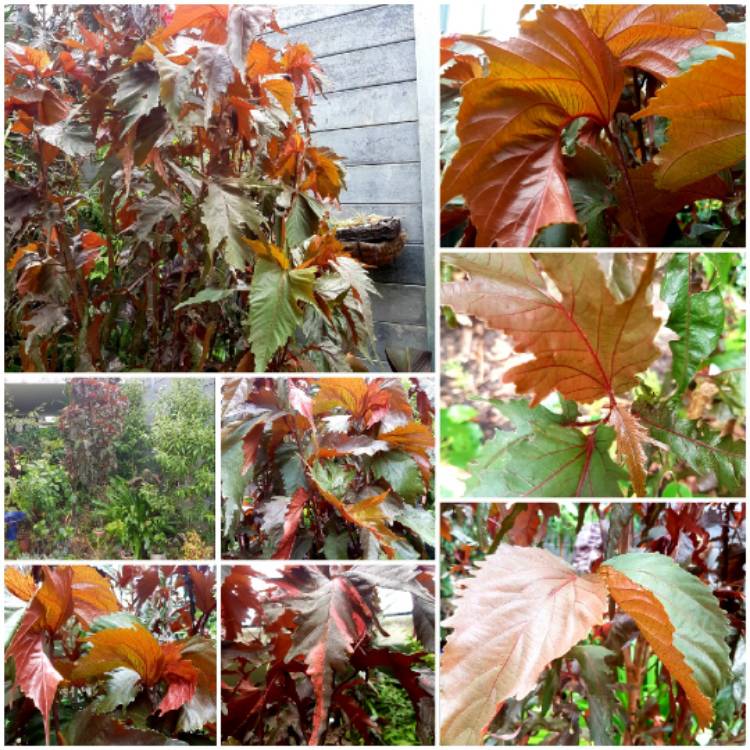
13,520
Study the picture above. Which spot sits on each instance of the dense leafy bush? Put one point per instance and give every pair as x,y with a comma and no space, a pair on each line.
165,203
90,426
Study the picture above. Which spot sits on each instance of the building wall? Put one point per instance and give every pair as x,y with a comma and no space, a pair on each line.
369,115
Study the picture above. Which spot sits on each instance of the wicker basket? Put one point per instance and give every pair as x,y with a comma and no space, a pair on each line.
375,243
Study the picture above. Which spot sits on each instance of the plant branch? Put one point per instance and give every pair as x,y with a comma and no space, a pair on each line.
641,234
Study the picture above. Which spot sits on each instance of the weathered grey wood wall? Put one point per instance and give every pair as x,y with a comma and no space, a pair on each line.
370,116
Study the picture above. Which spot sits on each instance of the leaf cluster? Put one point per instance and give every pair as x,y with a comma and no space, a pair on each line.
608,125
122,656
302,660
331,468
617,686
599,422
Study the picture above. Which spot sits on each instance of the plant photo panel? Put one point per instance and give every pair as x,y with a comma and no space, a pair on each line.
607,125
328,654
604,623
109,468
110,655
332,468
593,374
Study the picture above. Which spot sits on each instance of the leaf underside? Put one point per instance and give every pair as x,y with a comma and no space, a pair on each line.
521,609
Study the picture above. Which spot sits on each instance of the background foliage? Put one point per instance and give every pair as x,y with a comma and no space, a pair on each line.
106,481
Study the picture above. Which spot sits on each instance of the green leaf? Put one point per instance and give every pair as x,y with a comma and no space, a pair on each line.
697,318
419,520
274,310
541,458
122,688
207,295
692,640
702,449
232,485
676,489
597,678
72,138
401,473
225,213
114,620
333,477
336,546
137,93
303,220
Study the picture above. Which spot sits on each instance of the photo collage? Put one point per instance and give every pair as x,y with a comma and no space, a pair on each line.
374,374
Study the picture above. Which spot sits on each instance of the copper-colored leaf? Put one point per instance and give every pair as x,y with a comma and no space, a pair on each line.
19,584
331,621
346,393
133,647
706,109
521,609
412,437
586,345
35,674
630,438
92,595
509,166
653,38
291,523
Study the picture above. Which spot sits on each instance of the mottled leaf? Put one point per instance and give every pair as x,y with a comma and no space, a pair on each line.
680,618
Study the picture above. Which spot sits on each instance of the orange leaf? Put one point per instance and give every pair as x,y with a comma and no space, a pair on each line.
209,18
585,343
268,250
91,240
680,618
261,60
22,251
653,38
92,595
706,109
412,437
522,608
509,165
133,647
55,598
630,435
38,58
346,393
19,584
283,92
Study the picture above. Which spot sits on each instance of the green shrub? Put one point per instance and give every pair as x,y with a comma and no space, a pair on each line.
183,440
134,514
